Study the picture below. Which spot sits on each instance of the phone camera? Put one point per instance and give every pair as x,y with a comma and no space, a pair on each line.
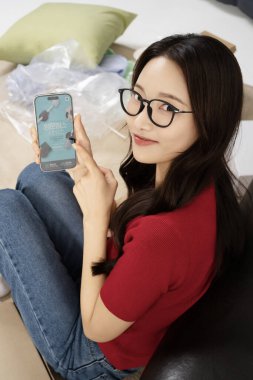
53,97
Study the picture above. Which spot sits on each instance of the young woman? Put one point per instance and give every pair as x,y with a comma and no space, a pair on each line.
178,229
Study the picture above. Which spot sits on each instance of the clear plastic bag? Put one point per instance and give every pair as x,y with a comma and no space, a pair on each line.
60,69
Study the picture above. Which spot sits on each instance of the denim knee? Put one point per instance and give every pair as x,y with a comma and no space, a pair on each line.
33,177
9,197
28,175
10,202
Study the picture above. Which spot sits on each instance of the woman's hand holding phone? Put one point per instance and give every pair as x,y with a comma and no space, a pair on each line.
83,150
80,135
82,139
95,187
35,145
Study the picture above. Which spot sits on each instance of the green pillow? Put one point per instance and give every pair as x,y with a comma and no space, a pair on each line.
95,27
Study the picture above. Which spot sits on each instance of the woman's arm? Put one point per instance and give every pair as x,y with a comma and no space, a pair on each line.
94,190
99,323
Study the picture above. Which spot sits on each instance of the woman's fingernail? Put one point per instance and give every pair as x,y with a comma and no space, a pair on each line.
72,140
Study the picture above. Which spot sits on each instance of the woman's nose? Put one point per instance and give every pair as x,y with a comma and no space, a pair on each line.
142,120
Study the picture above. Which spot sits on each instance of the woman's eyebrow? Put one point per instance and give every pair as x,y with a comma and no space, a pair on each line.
171,96
163,94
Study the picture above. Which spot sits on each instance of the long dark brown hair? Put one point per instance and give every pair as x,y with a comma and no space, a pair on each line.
214,83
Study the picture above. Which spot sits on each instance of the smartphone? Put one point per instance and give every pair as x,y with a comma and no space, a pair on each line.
55,128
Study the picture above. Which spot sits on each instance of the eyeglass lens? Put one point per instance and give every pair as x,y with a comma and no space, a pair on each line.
159,112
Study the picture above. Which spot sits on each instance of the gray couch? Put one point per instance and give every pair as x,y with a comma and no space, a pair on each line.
245,6
214,339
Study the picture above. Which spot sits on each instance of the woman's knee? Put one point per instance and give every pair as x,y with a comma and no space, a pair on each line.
29,175
10,201
33,178
15,210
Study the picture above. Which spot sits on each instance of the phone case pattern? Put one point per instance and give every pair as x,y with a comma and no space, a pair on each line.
54,118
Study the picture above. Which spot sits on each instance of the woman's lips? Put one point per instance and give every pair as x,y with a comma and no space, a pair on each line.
143,141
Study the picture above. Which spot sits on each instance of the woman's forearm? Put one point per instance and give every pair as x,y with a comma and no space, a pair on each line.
95,235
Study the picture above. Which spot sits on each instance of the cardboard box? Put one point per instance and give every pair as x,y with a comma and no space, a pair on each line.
230,45
19,359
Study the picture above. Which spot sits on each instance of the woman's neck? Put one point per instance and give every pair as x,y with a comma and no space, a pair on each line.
161,171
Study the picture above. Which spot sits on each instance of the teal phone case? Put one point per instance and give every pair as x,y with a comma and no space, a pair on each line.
55,126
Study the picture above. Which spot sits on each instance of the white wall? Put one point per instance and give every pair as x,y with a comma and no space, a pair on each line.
158,18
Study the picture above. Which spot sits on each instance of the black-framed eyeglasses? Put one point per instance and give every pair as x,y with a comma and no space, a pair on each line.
160,113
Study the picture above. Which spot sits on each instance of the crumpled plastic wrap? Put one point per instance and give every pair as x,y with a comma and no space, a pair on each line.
59,69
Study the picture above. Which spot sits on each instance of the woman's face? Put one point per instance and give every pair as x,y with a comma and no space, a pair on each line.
163,79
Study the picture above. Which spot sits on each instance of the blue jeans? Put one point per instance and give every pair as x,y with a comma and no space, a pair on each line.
41,248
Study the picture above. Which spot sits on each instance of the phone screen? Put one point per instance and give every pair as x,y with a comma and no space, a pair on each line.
54,120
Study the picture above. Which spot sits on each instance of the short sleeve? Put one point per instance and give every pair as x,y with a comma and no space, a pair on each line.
151,262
